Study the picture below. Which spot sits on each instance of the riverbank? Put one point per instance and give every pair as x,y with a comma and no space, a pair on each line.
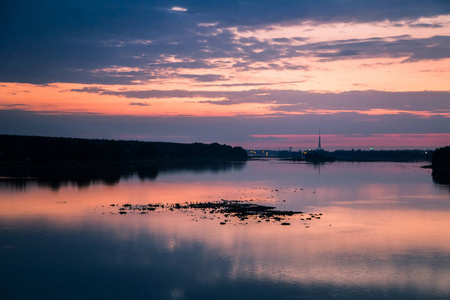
36,151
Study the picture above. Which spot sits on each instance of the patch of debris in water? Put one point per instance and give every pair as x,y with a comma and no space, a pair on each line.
231,210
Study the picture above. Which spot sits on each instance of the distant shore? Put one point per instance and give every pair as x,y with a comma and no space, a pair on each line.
55,161
38,151
320,155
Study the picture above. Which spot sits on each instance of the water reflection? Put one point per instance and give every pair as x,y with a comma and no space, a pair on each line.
163,256
55,178
441,177
383,234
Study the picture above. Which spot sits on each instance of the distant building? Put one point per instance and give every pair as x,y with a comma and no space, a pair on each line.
320,144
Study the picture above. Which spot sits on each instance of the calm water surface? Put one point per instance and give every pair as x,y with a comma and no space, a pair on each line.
384,233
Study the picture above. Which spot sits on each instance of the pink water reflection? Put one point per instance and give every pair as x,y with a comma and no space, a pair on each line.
378,233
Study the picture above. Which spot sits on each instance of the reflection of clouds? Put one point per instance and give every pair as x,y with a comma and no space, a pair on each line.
207,254
383,251
356,271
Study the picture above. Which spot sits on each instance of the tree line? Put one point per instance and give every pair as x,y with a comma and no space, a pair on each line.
59,150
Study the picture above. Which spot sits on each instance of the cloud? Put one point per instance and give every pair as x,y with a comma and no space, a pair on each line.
415,49
90,90
14,105
249,84
66,42
178,8
126,65
203,78
208,24
304,102
135,63
139,104
426,25
340,53
281,40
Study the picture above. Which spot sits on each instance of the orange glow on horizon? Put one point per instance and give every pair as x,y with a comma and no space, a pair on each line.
58,99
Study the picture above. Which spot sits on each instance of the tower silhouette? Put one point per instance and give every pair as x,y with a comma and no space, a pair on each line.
320,145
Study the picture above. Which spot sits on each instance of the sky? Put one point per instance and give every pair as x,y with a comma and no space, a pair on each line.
259,74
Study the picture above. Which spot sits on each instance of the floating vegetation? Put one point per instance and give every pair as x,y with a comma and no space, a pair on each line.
230,209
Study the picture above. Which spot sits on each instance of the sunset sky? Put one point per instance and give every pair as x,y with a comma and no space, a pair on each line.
254,73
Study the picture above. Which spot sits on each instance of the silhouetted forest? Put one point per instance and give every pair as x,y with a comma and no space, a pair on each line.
37,150
441,157
382,155
348,155
441,165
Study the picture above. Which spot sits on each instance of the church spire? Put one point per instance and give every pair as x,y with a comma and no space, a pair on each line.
320,146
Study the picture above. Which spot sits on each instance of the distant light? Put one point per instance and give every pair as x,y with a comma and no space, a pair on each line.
371,148
177,8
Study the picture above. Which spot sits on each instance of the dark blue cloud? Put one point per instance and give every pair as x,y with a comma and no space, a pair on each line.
436,47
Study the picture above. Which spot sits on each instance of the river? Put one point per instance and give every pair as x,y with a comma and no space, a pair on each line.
368,231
